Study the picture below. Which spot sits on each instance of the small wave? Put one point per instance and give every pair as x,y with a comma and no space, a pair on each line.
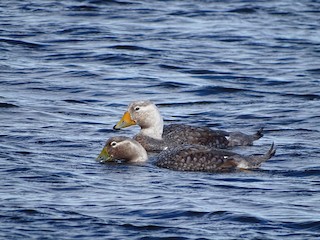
24,152
82,73
23,43
105,130
224,216
18,169
232,38
243,10
170,67
75,31
205,91
74,101
8,105
306,225
171,85
242,218
130,226
133,48
182,213
304,173
293,173
116,2
65,56
251,116
83,8
185,103
303,96
119,59
314,71
201,72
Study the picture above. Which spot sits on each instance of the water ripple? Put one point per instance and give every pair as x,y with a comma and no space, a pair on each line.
69,69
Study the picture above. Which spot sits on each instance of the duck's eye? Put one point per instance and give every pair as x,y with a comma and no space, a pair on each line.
137,108
113,144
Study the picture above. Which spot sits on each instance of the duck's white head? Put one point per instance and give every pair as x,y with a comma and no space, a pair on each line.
122,148
146,115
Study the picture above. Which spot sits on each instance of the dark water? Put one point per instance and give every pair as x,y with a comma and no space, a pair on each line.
69,68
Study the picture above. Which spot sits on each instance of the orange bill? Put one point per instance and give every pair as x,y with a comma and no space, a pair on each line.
125,121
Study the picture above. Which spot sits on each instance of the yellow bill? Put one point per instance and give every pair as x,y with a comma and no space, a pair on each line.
125,121
104,156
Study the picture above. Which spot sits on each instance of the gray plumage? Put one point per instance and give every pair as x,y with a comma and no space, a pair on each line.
178,134
204,159
156,137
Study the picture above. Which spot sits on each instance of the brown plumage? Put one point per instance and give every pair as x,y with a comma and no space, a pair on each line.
183,157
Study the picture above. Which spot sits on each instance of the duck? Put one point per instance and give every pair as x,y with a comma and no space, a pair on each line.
154,136
196,158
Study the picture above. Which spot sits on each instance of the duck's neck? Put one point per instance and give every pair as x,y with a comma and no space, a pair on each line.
141,154
154,128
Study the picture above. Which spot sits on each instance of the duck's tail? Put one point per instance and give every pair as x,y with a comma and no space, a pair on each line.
258,134
254,161
241,139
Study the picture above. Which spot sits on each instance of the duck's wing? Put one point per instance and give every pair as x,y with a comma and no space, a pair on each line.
204,159
197,158
177,134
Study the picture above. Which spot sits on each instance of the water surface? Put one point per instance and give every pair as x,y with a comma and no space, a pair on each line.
68,70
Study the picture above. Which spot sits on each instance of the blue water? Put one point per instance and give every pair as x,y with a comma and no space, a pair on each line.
69,68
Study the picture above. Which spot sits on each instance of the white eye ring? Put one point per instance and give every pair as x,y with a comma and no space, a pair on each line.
113,144
137,108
